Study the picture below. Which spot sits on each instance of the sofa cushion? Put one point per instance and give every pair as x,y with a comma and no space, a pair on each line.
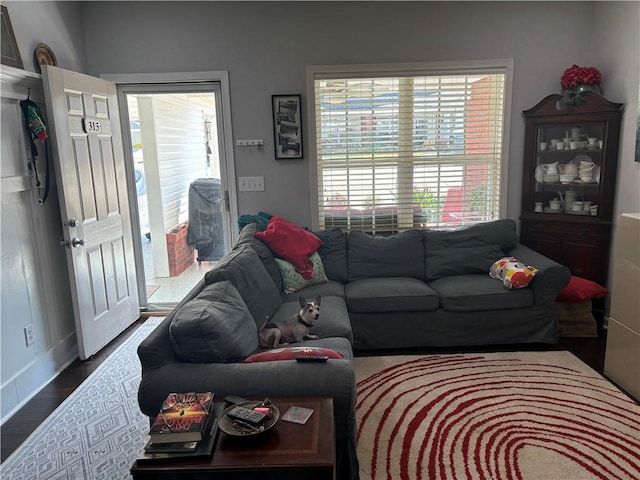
397,294
472,293
333,320
289,241
399,255
460,260
243,268
327,289
335,260
216,326
294,279
247,237
467,250
291,353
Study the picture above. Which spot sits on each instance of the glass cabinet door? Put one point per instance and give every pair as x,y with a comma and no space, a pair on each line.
567,162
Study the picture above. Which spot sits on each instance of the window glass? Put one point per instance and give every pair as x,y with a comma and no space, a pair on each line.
394,152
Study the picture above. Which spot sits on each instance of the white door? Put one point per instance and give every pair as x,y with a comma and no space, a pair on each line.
89,163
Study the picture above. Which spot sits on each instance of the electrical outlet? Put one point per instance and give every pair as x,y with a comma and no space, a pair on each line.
28,335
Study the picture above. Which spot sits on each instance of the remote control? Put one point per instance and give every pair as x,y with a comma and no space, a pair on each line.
247,415
315,358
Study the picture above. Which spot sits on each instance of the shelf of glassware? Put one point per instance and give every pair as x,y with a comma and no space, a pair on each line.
567,172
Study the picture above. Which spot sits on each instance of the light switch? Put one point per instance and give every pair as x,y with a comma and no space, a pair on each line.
251,184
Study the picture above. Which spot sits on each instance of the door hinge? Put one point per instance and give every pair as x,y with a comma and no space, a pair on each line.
227,207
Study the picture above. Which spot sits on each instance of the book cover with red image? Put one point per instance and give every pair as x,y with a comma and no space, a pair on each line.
182,418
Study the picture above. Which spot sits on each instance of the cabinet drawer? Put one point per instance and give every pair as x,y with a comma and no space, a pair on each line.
571,229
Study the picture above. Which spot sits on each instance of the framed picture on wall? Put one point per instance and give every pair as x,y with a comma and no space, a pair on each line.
8,44
287,126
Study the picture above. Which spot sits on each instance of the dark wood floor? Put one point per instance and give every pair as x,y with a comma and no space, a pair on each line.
24,422
16,430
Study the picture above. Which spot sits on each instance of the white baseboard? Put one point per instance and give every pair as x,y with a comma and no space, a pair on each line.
26,384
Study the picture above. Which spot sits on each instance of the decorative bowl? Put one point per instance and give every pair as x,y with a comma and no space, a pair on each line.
228,426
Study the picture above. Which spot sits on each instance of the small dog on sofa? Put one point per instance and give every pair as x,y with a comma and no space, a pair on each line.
293,329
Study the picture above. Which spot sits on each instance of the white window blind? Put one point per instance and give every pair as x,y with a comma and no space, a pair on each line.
406,151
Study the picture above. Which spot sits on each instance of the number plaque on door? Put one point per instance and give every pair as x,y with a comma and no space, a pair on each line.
92,125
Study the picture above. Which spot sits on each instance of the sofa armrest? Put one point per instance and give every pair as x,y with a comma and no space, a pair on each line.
156,350
551,277
287,378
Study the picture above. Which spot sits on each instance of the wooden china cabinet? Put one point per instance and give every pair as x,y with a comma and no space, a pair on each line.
576,233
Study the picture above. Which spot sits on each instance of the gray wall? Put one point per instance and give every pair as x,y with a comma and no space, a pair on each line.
266,46
35,282
615,45
58,24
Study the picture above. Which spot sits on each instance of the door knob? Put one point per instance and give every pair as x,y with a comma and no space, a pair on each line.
76,242
73,223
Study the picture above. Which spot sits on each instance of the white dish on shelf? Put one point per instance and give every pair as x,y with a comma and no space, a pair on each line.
578,212
543,177
551,178
596,168
551,210
567,178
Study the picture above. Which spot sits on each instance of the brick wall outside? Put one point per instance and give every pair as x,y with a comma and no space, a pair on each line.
180,254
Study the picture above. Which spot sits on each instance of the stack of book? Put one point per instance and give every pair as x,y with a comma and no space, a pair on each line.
187,426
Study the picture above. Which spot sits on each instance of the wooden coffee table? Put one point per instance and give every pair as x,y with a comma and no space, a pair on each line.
286,451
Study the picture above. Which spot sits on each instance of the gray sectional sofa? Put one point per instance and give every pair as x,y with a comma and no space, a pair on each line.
420,288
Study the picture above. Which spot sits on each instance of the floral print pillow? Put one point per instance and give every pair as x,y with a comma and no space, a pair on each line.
294,279
513,273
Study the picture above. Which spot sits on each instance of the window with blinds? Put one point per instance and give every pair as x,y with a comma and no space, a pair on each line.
395,152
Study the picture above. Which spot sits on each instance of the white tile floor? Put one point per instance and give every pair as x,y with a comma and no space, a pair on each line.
170,290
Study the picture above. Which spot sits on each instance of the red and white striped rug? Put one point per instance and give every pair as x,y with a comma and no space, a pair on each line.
493,416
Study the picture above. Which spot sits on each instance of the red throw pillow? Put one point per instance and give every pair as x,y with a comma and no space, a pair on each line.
289,241
580,289
291,353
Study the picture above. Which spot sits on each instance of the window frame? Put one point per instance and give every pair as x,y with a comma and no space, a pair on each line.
474,67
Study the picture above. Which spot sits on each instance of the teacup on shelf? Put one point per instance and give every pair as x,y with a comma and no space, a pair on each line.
576,206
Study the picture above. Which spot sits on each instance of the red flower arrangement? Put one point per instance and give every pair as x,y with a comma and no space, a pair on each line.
574,76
